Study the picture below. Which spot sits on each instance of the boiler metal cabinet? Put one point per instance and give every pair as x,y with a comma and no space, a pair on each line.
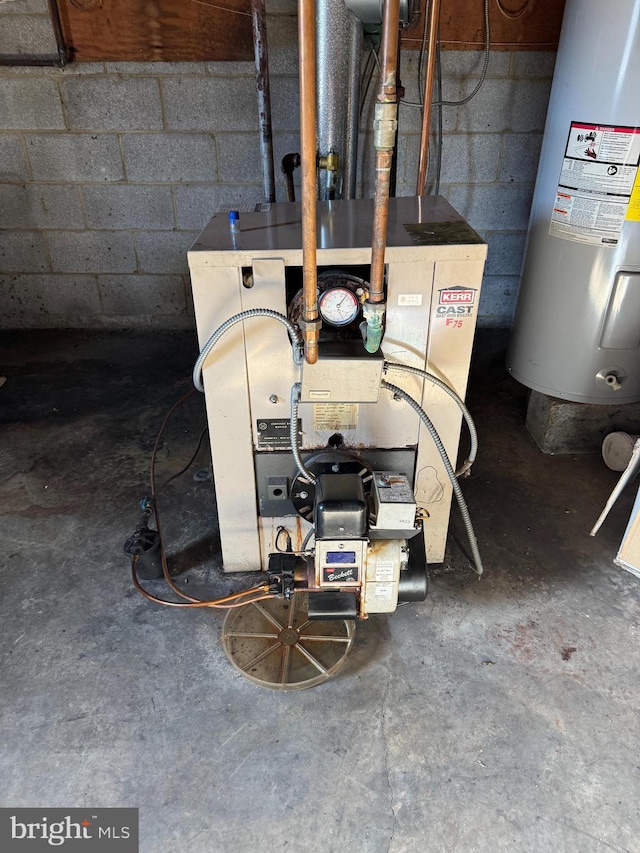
434,271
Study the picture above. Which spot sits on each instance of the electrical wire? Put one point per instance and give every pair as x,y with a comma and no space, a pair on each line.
462,504
473,433
440,130
287,547
517,13
237,599
189,463
223,8
367,76
293,435
311,532
423,52
294,335
240,599
483,73
374,53
485,65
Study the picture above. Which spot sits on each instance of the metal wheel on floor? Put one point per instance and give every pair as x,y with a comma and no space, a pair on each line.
274,644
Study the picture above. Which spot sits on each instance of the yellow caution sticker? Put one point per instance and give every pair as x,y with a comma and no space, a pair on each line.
633,210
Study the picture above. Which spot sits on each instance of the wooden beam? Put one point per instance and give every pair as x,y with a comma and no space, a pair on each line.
148,30
514,24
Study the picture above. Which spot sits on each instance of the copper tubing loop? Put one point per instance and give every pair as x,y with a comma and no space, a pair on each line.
307,45
423,163
387,94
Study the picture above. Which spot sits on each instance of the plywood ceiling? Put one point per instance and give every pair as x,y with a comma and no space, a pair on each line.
147,30
186,30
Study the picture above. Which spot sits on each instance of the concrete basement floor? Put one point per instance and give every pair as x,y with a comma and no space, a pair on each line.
500,715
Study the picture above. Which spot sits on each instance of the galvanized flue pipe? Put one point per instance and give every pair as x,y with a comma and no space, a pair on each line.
258,22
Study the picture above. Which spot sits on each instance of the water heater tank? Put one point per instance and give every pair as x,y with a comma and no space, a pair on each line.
576,333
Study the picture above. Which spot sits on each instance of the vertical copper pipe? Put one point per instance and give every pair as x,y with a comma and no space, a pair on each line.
384,133
380,218
389,50
434,17
307,64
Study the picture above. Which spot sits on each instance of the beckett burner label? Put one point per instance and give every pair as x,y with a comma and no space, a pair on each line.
455,304
340,574
596,184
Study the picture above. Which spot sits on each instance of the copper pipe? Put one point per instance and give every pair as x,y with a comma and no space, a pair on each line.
384,132
380,217
389,51
434,18
307,46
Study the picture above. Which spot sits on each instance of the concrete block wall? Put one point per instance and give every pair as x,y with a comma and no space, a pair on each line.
490,153
26,29
109,170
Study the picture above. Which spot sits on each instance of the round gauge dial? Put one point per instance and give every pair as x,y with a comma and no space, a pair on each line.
338,306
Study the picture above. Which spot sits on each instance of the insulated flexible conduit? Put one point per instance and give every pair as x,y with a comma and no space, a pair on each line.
294,334
293,434
464,510
473,434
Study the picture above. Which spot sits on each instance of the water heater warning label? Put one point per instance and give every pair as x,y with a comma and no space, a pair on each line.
599,170
633,211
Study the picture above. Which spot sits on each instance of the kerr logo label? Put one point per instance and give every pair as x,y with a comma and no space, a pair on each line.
455,304
83,830
457,296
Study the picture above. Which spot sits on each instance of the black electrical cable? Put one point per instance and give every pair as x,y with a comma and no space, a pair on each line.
372,62
421,56
189,463
485,66
440,137
257,593
483,74
287,547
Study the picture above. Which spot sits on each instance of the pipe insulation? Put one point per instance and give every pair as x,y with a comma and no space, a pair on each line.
339,36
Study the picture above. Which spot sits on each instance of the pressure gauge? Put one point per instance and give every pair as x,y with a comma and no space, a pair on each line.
338,306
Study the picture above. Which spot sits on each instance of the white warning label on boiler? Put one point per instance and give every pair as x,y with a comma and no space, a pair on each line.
384,591
599,170
410,299
385,570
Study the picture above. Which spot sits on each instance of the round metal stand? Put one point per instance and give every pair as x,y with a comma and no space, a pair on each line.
274,644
